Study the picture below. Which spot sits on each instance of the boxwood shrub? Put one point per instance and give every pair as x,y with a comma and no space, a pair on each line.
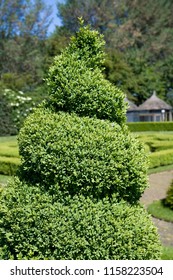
169,197
35,226
76,83
9,165
82,173
83,155
150,126
161,158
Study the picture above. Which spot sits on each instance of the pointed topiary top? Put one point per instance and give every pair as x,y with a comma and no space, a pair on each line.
76,83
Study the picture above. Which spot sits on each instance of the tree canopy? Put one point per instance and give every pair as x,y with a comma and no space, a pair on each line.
138,43
139,33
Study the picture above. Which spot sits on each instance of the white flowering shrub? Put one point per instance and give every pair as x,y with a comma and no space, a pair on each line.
19,105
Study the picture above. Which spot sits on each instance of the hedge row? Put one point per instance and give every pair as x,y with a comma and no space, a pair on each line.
150,126
157,146
9,165
161,158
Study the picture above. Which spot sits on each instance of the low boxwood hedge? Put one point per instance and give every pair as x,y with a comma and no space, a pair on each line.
9,165
161,158
150,126
169,197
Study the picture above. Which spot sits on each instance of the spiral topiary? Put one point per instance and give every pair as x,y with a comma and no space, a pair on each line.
82,173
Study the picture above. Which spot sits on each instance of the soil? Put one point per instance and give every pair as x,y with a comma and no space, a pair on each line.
159,184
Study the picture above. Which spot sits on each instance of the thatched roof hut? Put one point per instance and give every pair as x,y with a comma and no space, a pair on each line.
132,106
154,103
132,111
155,109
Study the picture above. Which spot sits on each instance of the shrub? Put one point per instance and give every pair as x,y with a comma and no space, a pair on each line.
161,158
9,156
150,126
9,165
7,125
34,226
169,197
76,83
83,155
77,166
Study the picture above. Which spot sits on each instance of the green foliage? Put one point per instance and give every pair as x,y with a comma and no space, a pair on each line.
150,126
7,126
169,197
9,165
23,29
19,104
9,155
82,173
167,253
140,30
88,45
78,228
119,72
82,155
160,147
76,83
164,157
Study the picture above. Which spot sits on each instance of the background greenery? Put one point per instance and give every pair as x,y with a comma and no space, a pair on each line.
138,48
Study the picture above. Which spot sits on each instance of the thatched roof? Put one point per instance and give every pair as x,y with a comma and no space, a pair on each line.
132,106
154,103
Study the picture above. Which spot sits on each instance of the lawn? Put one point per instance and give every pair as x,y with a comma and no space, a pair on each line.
160,211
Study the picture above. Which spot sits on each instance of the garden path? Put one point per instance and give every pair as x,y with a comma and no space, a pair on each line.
159,184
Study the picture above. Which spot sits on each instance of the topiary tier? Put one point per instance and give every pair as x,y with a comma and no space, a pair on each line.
82,174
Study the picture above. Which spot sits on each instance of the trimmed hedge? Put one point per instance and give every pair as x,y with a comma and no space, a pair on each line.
169,197
150,126
35,226
157,146
9,165
161,158
9,155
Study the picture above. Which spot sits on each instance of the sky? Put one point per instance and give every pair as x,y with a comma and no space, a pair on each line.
56,20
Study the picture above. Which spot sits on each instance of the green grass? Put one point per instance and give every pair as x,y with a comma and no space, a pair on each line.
167,253
160,169
159,211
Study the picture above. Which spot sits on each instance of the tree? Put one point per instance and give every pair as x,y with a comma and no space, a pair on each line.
119,72
24,18
23,29
140,30
101,15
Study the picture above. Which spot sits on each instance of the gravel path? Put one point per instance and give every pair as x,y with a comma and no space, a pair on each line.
159,184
